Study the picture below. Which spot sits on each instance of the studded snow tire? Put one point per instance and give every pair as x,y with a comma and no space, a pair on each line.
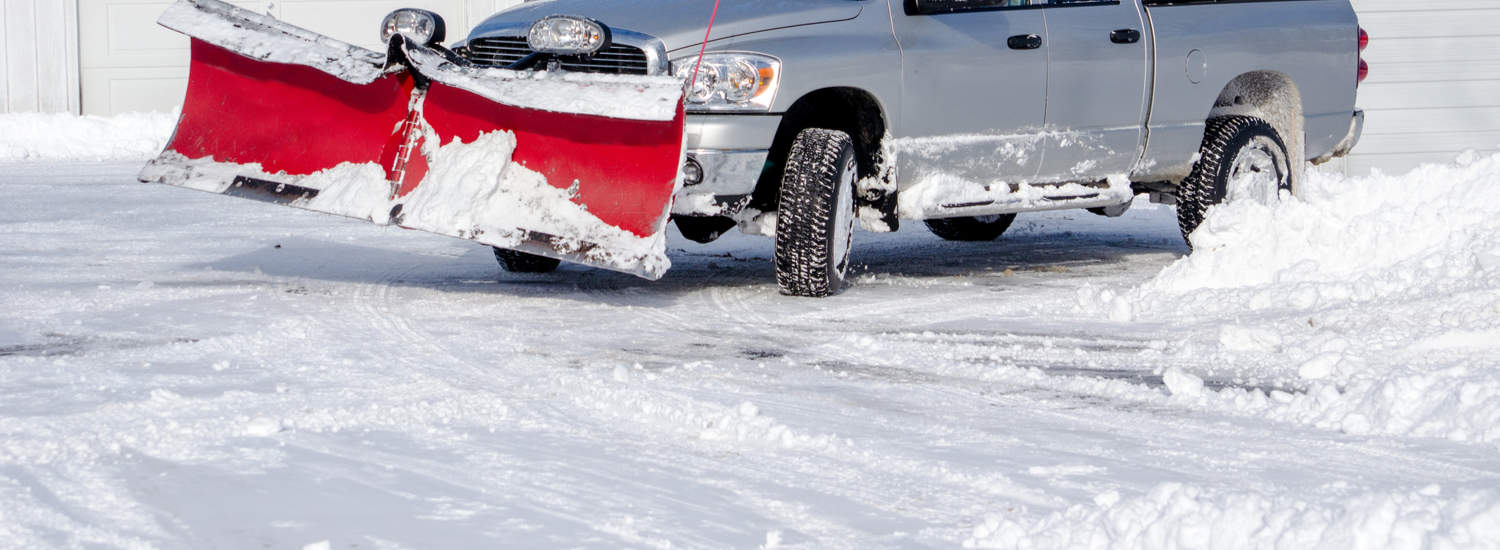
815,214
1224,140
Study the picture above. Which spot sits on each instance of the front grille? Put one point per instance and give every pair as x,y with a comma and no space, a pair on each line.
502,51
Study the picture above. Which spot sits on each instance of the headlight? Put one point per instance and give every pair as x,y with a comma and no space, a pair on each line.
731,81
420,26
567,35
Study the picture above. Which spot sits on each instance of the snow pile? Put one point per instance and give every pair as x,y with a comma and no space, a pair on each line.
1174,515
55,136
1344,240
1377,297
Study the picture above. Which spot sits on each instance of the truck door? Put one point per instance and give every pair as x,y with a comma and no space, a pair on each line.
1096,88
974,76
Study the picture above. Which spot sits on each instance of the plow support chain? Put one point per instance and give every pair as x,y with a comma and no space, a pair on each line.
579,167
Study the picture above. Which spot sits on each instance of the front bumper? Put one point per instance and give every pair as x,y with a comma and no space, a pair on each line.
731,151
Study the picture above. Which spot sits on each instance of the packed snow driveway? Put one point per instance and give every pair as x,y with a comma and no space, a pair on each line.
186,370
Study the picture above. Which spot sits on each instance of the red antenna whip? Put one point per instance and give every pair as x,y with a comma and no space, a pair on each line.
704,47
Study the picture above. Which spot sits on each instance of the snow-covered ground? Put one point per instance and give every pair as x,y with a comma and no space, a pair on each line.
186,370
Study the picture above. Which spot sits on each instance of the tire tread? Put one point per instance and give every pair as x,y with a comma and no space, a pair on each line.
806,210
1204,187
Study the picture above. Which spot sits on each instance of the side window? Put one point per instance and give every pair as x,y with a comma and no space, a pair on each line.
929,7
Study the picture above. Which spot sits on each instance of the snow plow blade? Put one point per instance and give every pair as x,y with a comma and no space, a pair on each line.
579,167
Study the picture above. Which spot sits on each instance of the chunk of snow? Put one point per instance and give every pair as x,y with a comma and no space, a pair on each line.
1240,338
262,427
1182,383
1319,367
749,410
773,540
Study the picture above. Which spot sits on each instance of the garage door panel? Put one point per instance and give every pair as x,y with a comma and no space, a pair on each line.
1401,163
18,60
1372,6
1422,121
121,33
1431,94
1446,51
1424,22
135,89
132,29
1393,73
124,54
1387,144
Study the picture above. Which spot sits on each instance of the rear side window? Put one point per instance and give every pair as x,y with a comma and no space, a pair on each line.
928,7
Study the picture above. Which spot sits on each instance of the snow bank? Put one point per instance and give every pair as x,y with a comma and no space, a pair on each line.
49,136
1430,232
1378,297
1174,515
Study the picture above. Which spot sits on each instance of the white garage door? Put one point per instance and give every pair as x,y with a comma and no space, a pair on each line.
1434,87
128,63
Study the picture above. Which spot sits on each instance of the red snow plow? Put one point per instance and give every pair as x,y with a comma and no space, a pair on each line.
578,167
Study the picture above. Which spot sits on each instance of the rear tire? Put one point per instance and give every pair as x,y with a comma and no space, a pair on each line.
971,228
1242,158
520,262
815,219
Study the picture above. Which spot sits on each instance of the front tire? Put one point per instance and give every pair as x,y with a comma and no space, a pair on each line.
971,228
1242,158
521,262
815,219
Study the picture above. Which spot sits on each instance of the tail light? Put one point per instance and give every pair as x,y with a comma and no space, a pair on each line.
1364,68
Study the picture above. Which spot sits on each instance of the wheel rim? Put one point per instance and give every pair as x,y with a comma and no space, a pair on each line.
843,217
986,220
1259,172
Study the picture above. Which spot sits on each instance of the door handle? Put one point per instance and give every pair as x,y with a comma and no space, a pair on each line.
1125,36
1024,42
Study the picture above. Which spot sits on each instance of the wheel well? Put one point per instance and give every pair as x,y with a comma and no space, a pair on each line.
1273,97
851,110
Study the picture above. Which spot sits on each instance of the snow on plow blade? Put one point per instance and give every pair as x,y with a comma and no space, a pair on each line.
579,167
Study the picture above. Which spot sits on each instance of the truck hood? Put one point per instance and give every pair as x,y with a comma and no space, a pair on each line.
680,23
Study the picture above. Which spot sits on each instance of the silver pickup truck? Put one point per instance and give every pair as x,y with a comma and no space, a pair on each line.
807,116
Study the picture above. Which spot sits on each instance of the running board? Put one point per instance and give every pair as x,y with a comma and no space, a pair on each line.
946,199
